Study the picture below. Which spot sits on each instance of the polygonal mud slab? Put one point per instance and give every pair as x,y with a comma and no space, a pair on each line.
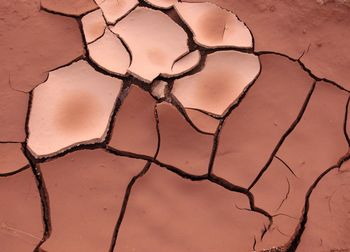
316,144
12,125
328,222
221,82
93,25
275,189
159,89
154,40
319,141
291,29
109,53
184,64
86,203
113,10
203,121
162,4
11,158
168,213
254,128
21,226
180,144
69,7
135,128
74,106
213,26
31,53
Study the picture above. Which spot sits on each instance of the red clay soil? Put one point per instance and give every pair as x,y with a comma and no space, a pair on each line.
317,31
160,157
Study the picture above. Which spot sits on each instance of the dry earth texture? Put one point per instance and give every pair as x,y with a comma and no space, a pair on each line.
173,126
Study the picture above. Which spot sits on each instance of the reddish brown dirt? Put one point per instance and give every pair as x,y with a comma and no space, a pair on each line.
269,174
12,158
21,226
197,216
69,7
88,200
316,28
33,42
175,148
12,124
272,103
135,127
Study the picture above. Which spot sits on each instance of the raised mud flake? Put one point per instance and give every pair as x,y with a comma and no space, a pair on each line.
109,53
135,128
175,148
168,213
203,121
154,40
213,26
85,204
113,10
74,106
94,25
273,103
294,33
21,227
11,158
162,4
12,125
159,89
184,64
316,144
328,216
222,81
69,7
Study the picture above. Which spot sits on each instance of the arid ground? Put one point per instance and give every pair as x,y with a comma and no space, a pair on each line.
174,126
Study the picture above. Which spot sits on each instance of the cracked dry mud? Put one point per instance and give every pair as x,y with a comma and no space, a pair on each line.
165,125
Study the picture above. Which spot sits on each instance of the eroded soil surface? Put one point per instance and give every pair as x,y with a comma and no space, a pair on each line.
165,125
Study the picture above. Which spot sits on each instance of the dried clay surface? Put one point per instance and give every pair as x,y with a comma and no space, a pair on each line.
167,203
317,30
93,192
110,54
213,26
33,42
12,124
69,7
11,158
154,40
93,25
114,10
223,79
163,4
135,128
21,227
73,106
165,125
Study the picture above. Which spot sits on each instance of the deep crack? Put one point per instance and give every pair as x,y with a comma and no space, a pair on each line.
285,136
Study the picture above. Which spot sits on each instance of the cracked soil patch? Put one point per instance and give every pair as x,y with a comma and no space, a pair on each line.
180,126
